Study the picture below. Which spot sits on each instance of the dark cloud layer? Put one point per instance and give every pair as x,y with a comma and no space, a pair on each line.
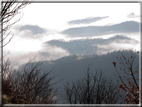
87,20
33,28
89,46
124,27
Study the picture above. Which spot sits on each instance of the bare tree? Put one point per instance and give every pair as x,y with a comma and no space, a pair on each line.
92,89
7,77
31,85
129,81
9,10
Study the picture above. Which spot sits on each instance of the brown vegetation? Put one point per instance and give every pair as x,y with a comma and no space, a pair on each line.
132,88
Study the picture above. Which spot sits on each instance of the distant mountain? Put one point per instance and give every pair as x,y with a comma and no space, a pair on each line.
74,67
90,46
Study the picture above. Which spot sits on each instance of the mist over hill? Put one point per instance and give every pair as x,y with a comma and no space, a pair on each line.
92,46
73,67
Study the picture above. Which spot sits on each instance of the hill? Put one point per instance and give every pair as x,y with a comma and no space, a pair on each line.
73,67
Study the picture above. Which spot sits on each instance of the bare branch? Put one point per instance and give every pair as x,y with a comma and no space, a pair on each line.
9,10
92,89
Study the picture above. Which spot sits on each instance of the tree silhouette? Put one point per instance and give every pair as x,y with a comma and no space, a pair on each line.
92,89
129,81
30,85
26,85
9,10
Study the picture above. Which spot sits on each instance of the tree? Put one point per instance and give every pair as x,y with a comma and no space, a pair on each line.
92,89
9,10
30,85
7,77
27,85
129,81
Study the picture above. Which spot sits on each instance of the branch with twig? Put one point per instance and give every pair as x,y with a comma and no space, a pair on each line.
9,10
131,88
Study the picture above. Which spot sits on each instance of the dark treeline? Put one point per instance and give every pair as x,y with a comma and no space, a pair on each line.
33,84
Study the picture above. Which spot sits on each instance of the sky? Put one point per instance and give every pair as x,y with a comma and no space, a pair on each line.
48,31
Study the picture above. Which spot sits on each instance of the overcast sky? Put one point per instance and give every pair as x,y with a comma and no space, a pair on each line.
49,31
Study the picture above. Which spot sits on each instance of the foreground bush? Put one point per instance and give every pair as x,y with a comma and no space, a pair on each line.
30,84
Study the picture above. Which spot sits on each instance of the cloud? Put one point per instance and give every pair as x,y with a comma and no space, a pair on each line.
90,46
124,27
33,28
52,52
87,20
47,53
30,31
132,15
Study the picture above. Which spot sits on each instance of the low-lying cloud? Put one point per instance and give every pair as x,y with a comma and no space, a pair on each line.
47,53
87,20
90,46
89,31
